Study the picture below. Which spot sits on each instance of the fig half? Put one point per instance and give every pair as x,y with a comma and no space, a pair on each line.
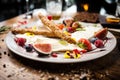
43,49
101,34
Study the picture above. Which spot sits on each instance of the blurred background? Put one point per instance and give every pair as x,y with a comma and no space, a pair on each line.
12,8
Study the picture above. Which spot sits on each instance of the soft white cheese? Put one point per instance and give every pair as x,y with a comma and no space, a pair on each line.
88,32
90,29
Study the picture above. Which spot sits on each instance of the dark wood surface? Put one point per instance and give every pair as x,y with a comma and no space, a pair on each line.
14,67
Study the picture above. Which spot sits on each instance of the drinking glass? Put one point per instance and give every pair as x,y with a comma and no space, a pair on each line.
27,16
118,9
54,8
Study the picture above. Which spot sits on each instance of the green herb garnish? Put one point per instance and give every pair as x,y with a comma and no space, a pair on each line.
95,25
4,28
82,45
80,29
63,42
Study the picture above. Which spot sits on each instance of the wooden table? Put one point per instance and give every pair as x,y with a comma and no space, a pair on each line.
14,67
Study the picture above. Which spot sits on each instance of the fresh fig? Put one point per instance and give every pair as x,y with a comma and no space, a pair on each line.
68,22
43,49
76,25
102,33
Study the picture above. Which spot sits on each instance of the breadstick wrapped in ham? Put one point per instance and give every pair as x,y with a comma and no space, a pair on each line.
51,25
37,32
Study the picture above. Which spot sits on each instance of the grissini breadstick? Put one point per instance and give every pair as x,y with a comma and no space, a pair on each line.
37,32
51,25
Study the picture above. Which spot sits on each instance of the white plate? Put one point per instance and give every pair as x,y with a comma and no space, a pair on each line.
109,46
